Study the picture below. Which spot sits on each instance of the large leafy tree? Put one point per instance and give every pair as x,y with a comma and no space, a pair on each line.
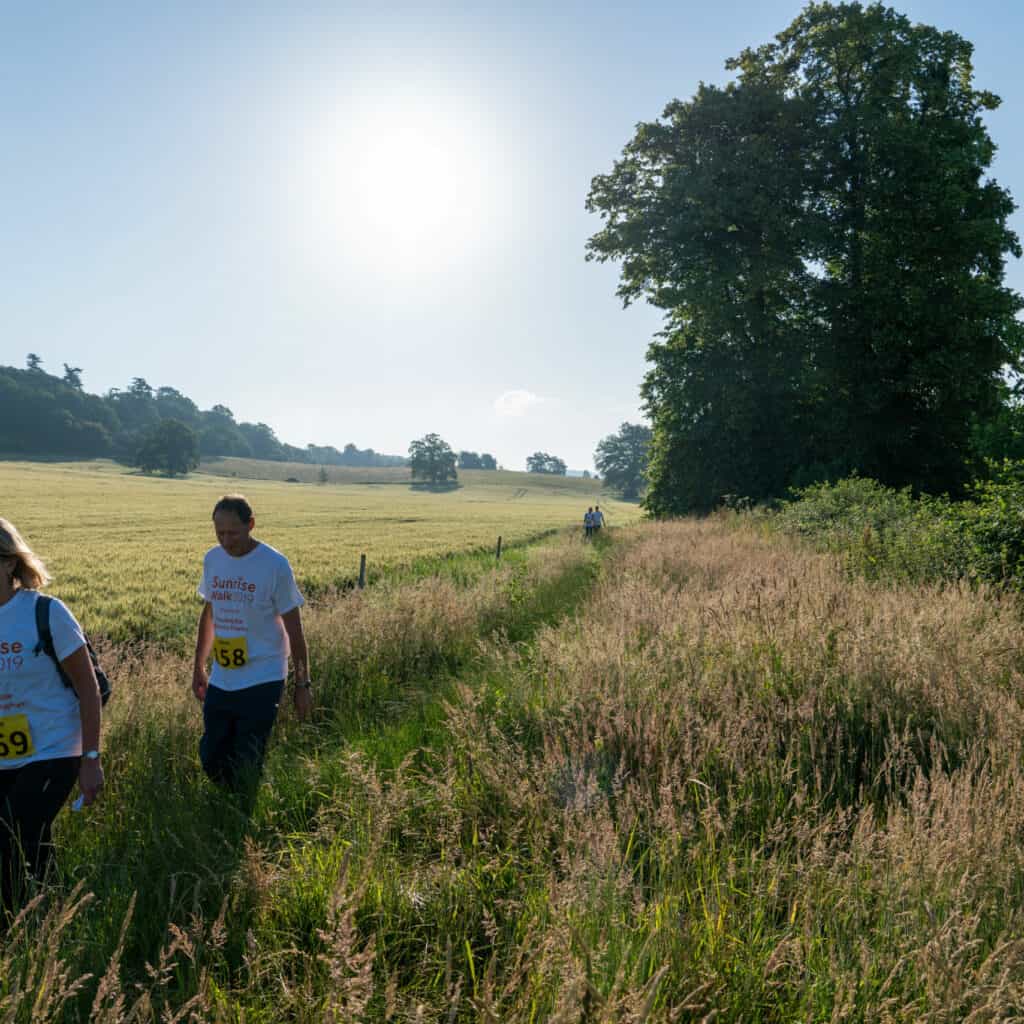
621,458
542,462
432,459
170,447
830,259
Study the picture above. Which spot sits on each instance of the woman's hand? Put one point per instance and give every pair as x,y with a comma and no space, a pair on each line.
90,779
78,667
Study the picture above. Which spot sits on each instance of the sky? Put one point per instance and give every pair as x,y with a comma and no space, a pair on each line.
363,222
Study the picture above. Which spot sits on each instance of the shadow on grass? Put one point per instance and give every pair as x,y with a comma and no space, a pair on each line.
434,488
166,837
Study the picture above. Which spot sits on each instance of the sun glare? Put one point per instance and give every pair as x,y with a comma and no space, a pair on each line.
402,181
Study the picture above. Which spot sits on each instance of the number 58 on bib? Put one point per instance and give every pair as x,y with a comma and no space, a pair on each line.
231,652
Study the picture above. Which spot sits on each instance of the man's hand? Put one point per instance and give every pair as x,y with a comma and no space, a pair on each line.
90,780
303,702
200,682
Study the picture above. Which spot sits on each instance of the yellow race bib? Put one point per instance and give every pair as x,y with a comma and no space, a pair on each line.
15,738
231,652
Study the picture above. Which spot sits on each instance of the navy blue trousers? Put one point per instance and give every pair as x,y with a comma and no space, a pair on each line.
236,727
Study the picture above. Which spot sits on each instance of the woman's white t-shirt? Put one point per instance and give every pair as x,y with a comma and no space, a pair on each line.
248,595
33,698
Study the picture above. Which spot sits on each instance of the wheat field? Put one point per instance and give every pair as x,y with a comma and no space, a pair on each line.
126,550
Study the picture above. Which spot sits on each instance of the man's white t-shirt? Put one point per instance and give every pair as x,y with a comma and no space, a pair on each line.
38,713
248,596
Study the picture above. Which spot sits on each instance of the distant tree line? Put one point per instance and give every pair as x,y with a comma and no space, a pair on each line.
471,460
45,415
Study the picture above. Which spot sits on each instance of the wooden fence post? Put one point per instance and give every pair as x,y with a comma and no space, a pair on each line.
362,571
497,554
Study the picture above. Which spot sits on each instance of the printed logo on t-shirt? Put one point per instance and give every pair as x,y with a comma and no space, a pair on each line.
237,589
12,656
39,716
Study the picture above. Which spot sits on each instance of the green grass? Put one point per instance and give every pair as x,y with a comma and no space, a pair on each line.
184,851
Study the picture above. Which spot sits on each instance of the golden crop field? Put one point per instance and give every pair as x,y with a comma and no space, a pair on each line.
126,550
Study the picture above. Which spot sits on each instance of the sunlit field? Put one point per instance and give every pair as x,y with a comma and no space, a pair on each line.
690,772
126,550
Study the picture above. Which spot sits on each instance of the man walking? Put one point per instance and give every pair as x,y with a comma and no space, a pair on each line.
249,623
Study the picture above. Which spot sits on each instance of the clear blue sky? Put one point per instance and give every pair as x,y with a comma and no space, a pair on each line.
362,222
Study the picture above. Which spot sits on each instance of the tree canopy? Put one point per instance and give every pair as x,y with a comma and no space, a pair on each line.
432,460
170,447
473,460
621,459
542,462
830,259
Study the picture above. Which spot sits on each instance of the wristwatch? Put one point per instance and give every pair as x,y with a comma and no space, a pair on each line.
91,755
302,685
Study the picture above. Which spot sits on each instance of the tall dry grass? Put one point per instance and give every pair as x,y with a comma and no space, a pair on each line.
779,793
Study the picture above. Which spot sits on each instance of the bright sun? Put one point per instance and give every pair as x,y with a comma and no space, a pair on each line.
404,181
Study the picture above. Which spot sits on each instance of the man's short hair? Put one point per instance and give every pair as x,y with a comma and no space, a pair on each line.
237,504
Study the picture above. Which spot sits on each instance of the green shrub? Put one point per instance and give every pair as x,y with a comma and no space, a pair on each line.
845,508
993,523
882,532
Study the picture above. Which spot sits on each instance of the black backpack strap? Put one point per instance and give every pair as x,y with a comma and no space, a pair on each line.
45,643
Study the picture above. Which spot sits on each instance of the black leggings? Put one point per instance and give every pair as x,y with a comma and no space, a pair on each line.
30,798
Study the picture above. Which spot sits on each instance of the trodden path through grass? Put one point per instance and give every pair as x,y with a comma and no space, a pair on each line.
185,872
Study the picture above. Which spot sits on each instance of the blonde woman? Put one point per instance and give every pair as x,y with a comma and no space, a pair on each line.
49,731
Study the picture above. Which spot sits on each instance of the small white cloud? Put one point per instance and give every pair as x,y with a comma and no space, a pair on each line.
515,403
